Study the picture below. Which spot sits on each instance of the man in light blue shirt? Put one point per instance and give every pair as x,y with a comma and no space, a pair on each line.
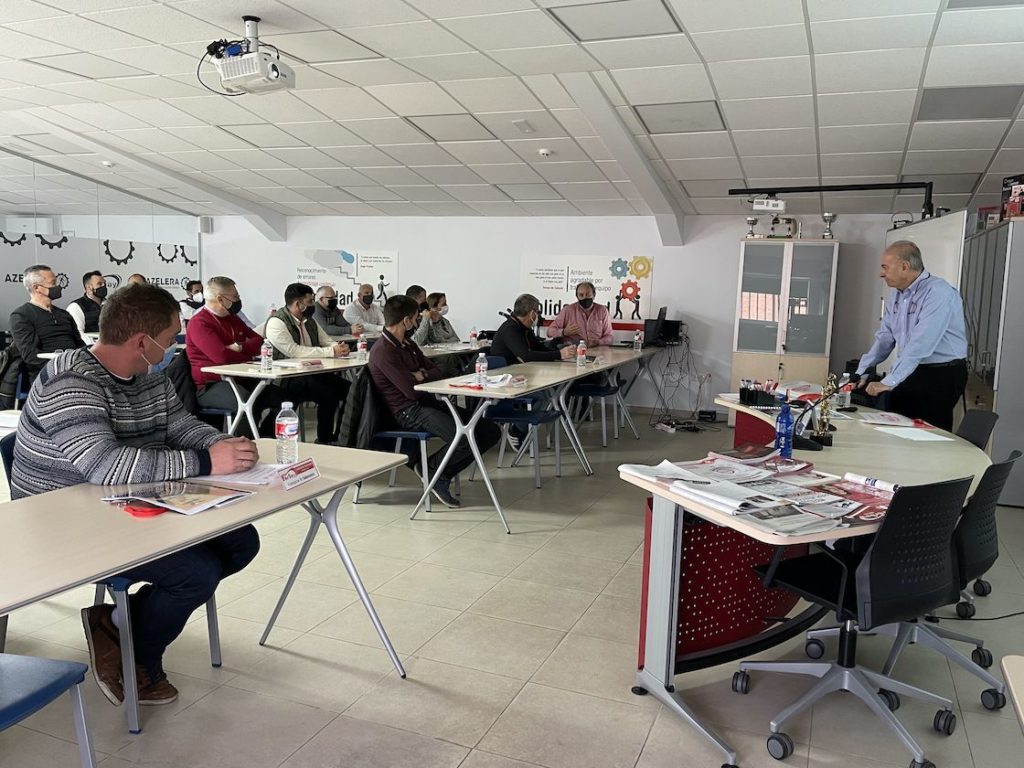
924,321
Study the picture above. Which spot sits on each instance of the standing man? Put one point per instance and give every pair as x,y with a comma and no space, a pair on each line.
97,416
364,312
924,320
583,320
517,343
329,316
39,325
193,300
86,310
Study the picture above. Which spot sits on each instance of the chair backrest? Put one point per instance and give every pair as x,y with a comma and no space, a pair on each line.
909,569
495,361
976,542
180,374
977,426
7,453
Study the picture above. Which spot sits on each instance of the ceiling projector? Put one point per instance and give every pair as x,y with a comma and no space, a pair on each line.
245,67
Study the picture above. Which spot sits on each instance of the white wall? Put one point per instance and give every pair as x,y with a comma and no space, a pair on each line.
476,261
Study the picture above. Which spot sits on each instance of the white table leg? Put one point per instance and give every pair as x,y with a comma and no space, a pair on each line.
314,526
245,406
570,428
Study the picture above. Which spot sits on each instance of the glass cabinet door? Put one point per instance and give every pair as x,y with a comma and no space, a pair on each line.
808,316
760,297
995,306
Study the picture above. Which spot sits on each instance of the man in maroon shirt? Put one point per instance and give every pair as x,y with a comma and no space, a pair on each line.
397,365
216,336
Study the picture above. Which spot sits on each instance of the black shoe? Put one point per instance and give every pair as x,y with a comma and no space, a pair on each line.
443,493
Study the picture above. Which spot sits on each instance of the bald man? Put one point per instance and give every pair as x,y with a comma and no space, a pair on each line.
136,279
364,312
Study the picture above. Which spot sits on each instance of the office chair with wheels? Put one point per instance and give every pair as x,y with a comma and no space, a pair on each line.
907,571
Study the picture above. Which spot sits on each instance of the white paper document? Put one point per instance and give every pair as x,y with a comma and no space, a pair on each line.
261,474
915,433
889,419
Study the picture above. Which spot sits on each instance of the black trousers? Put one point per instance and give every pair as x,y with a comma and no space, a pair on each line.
930,393
219,395
328,391
436,418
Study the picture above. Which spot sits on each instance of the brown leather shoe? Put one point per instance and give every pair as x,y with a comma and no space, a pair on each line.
153,693
104,650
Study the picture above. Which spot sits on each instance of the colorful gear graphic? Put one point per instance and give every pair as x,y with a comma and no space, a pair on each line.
54,244
164,259
113,259
15,241
184,257
640,267
619,268
629,290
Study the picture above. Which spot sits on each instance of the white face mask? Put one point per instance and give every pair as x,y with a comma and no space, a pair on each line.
443,310
197,296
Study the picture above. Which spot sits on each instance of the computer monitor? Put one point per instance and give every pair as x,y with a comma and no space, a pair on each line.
653,328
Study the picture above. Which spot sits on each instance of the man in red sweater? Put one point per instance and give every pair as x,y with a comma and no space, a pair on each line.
216,336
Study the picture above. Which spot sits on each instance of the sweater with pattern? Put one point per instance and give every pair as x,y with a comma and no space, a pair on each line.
82,424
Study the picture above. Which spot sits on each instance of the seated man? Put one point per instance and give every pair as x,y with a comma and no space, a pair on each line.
97,416
216,336
193,300
86,310
517,343
397,365
418,294
583,320
329,317
433,327
294,333
39,325
364,312
136,279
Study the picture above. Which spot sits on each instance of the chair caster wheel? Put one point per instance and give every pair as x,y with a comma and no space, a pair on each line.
944,722
814,648
729,765
993,699
780,746
982,588
925,764
741,682
637,690
965,610
891,699
982,657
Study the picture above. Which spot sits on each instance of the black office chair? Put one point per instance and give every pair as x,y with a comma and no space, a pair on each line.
976,427
907,571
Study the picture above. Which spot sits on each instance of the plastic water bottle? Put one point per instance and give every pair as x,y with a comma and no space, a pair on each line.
286,429
361,348
581,354
266,356
481,369
784,432
473,338
638,341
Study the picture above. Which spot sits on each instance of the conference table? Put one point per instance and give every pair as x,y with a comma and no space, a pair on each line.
67,538
858,447
1013,673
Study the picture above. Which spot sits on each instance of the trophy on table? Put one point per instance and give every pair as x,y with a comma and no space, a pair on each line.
822,432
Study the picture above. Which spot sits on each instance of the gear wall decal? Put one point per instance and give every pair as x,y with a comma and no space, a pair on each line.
113,259
15,241
640,266
619,268
629,289
54,244
164,259
184,256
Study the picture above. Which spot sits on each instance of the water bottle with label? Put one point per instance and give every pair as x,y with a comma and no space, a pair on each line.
286,429
473,337
581,354
784,432
361,349
266,356
481,369
638,341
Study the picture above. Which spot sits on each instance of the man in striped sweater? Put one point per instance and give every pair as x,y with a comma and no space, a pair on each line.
106,416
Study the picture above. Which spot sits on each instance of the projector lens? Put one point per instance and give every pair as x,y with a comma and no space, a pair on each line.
274,72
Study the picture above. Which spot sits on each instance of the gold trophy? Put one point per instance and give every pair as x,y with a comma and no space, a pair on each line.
823,424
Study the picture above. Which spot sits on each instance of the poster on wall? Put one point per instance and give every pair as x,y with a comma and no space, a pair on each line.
345,271
623,284
165,264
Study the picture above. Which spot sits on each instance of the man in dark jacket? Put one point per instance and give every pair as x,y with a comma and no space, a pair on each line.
517,343
39,325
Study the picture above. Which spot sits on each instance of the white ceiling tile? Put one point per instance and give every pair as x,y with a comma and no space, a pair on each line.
737,14
391,130
160,24
608,21
661,85
588,190
322,134
343,177
863,138
18,98
358,13
542,124
546,60
24,10
443,175
159,113
76,32
344,103
310,77
613,172
264,135
16,45
372,193
574,122
570,172
865,107
496,94
455,66
828,10
416,99
706,168
780,141
421,193
861,163
790,76
958,134
643,52
518,29
974,64
611,90
947,161
1015,138
303,157
322,46
594,148
251,158
448,209
392,175
712,187
883,179
1008,161
416,38
441,9
371,72
979,25
93,90
290,177
202,160
548,207
633,123
276,18
780,112
89,65
208,137
506,173
216,110
872,34
866,70
952,202
530,192
476,192
355,209
356,155
605,207
721,205
283,107
156,87
101,116
735,44
33,74
155,59
498,209
419,154
560,150
458,127
479,152
683,146
991,183
948,183
785,165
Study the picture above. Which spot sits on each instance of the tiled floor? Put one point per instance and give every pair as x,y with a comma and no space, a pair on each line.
520,651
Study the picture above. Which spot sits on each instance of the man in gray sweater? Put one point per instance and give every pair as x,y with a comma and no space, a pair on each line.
108,416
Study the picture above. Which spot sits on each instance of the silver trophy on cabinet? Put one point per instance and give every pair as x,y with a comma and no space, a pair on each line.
828,218
751,223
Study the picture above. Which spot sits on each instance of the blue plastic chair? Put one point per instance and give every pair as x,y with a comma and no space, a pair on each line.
398,435
602,392
225,413
28,684
20,393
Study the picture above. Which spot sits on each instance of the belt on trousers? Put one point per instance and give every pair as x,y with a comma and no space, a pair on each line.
948,364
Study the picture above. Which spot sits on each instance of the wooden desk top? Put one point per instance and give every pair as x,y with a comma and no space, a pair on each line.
63,539
1013,673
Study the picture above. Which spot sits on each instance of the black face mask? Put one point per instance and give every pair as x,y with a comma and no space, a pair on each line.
54,293
332,304
236,307
586,303
308,312
367,299
100,293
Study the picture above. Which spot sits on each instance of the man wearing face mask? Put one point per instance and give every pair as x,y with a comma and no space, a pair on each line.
294,332
216,336
329,317
39,325
364,312
517,343
96,416
86,310
193,300
583,320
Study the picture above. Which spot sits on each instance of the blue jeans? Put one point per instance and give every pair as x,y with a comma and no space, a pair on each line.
178,584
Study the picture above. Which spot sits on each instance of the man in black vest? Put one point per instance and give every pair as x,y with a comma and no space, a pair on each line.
86,310
296,334
39,325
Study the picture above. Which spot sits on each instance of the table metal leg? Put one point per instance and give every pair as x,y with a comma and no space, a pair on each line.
300,558
245,407
570,429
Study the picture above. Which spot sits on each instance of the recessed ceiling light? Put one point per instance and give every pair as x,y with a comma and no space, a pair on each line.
970,103
523,126
955,4
681,117
615,19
